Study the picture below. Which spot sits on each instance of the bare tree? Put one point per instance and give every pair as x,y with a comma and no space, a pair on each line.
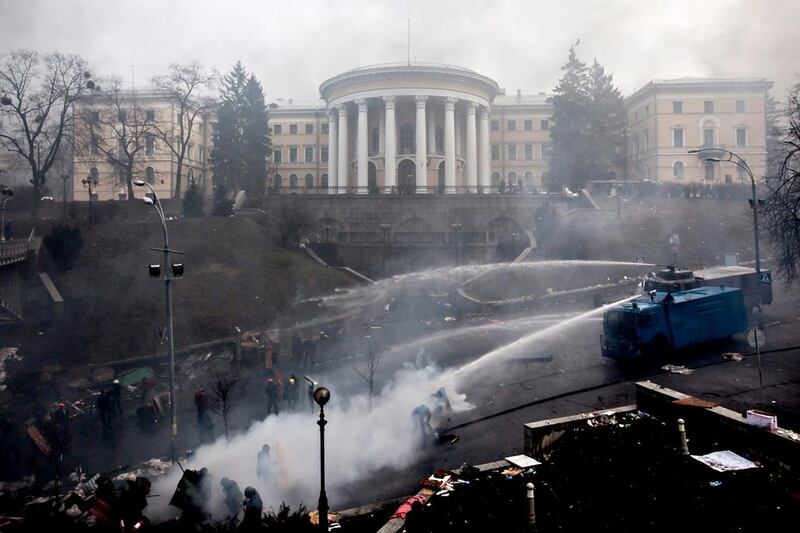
369,368
183,84
223,397
781,210
37,94
115,126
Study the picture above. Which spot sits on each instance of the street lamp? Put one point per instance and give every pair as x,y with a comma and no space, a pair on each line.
90,182
385,228
176,272
456,227
741,163
7,194
321,396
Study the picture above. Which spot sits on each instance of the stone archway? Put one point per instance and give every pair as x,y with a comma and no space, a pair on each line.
509,236
407,177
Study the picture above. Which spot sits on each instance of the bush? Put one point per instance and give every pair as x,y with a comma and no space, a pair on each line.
192,202
63,243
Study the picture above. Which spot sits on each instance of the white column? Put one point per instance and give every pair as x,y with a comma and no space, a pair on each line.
390,178
381,133
459,130
422,163
333,139
483,171
449,143
431,124
361,143
342,175
472,147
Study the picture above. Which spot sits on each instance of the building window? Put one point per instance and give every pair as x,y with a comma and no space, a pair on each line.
677,107
190,175
149,145
323,181
741,137
94,117
529,180
646,139
439,140
495,125
276,129
495,179
150,175
547,151
94,173
293,154
276,154
309,179
677,137
375,141
709,171
528,125
708,106
511,125
647,110
677,170
122,116
201,155
309,129
94,145
544,125
292,129
323,154
708,137
292,181
189,151
325,128
512,152
406,139
495,152
740,106
277,181
309,154
528,152
122,147
150,115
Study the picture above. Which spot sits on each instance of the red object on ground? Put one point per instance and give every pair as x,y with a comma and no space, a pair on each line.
403,510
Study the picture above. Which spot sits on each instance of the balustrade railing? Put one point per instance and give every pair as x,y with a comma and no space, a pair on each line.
402,190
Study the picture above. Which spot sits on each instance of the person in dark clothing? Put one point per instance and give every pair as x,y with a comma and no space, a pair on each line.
60,417
116,396
422,417
233,496
253,508
105,410
272,396
502,187
201,402
264,462
291,392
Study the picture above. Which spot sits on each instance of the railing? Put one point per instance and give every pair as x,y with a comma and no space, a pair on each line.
13,251
402,190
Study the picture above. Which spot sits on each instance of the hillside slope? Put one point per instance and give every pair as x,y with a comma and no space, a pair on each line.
234,276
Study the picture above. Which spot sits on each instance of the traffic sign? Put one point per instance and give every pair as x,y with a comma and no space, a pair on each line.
756,338
766,277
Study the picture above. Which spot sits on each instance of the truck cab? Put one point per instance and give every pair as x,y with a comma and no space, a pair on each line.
631,329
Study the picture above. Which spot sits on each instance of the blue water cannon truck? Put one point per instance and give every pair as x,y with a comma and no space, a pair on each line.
658,322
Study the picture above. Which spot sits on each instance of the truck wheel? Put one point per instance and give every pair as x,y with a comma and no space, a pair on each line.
659,347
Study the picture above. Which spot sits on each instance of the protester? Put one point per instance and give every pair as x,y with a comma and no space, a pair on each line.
264,462
253,509
233,497
105,410
116,396
422,416
272,396
291,392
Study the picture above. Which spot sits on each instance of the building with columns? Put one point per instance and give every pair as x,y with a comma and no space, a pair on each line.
418,128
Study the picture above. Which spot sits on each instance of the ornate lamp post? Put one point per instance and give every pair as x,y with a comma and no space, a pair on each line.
90,182
170,272
321,396
741,163
6,193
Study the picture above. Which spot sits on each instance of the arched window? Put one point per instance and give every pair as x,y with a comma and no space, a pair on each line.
439,140
375,144
495,179
709,171
190,177
323,181
277,181
677,170
150,175
309,179
406,139
94,173
293,181
512,176
529,180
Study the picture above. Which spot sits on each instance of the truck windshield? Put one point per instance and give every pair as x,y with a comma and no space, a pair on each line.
620,323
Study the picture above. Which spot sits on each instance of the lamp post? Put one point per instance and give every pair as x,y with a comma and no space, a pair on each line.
7,194
385,228
741,163
456,227
90,182
321,396
170,271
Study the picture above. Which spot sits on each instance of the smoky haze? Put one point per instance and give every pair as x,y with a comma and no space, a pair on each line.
293,46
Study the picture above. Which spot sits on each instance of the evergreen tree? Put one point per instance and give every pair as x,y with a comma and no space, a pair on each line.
241,139
588,135
192,202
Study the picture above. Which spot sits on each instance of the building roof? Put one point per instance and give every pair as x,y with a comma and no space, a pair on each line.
688,82
294,104
507,100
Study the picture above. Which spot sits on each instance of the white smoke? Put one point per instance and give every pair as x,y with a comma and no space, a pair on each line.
361,436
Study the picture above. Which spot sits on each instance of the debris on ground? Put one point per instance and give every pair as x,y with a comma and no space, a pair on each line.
677,369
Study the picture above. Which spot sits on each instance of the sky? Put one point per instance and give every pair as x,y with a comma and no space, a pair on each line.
293,46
